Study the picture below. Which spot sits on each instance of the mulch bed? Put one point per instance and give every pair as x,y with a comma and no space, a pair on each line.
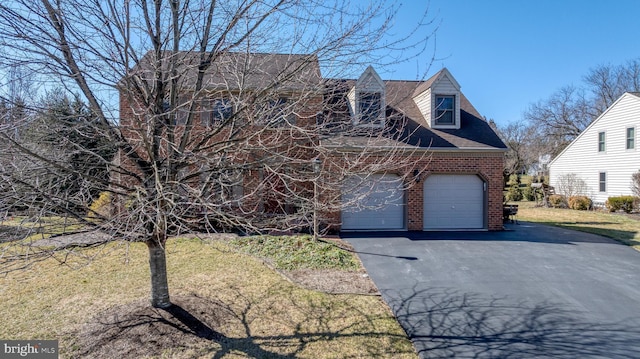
137,329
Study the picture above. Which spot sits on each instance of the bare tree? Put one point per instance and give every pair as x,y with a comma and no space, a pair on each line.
213,129
608,82
560,118
523,152
635,184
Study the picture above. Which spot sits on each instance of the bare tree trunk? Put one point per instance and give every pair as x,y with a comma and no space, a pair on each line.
158,267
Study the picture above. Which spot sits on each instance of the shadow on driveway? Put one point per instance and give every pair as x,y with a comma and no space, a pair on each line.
532,291
524,231
448,323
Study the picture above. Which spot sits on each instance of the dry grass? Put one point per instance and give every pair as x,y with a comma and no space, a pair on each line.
621,227
99,309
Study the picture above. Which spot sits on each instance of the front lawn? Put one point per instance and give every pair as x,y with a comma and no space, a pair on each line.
621,227
229,305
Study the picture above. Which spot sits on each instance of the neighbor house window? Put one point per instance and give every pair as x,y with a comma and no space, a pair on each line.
601,137
445,110
631,138
370,107
603,182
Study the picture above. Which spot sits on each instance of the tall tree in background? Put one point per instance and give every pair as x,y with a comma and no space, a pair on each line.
552,123
517,137
608,82
65,125
561,117
163,58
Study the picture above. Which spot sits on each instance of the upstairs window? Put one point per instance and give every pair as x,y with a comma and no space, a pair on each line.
601,143
631,138
219,111
370,108
176,116
367,100
181,116
445,110
276,113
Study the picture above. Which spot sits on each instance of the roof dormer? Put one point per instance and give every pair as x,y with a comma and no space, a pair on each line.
438,99
367,100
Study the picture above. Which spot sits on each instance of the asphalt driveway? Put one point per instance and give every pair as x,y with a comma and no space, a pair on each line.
530,292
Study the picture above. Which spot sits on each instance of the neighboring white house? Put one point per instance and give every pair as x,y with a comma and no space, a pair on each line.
606,153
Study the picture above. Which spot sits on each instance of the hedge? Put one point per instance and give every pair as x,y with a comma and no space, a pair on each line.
625,203
580,203
558,201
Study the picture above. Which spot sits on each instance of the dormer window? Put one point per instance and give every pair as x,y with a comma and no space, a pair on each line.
370,108
438,99
445,110
367,100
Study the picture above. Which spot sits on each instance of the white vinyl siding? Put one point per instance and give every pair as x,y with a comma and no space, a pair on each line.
423,101
583,158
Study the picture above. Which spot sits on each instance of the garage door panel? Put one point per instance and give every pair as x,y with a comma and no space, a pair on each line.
373,203
453,202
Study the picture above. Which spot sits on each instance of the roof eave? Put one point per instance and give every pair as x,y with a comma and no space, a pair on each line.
419,149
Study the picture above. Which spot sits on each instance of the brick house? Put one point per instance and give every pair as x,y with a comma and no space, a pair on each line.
426,160
457,172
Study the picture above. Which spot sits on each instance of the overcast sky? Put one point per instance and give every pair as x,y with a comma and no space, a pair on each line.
507,54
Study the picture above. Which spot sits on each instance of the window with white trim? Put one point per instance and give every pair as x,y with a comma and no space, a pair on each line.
177,116
631,138
219,110
601,141
603,181
370,108
445,110
276,113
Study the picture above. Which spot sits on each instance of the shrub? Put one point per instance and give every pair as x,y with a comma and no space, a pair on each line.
580,203
101,206
571,185
558,201
514,193
528,194
298,252
624,203
514,180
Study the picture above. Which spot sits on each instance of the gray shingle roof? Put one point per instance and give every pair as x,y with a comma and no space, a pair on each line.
235,71
408,127
301,72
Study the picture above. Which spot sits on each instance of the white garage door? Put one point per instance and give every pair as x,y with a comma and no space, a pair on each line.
453,202
376,202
